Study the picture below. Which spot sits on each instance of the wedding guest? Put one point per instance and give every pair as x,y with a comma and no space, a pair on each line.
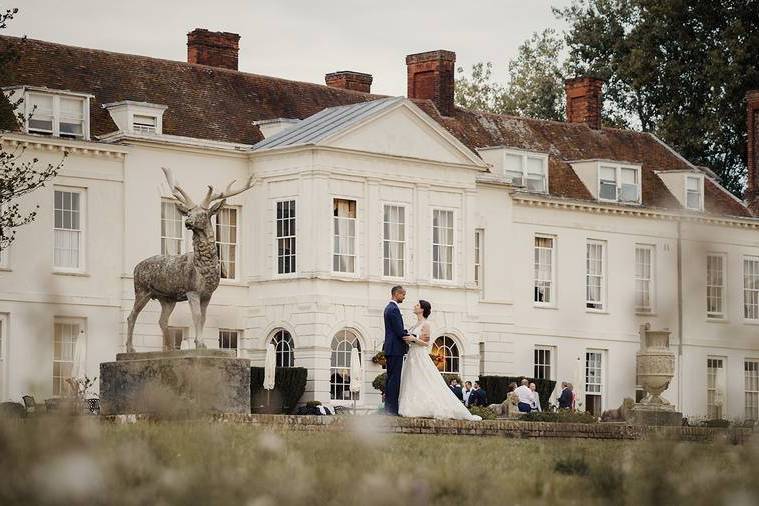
535,401
478,397
525,396
565,398
467,392
456,389
574,395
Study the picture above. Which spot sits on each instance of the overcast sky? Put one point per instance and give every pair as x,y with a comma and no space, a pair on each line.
297,39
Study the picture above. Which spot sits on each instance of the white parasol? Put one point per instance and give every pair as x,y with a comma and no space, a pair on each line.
269,366
578,385
79,368
357,375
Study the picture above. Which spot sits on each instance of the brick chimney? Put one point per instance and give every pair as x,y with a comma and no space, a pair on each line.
584,101
430,76
752,158
349,80
216,49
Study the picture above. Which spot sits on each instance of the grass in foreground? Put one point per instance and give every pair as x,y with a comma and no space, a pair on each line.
51,461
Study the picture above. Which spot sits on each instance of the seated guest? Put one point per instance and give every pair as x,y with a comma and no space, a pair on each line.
525,396
566,397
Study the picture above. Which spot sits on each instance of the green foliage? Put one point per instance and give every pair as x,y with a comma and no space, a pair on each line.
572,466
679,69
289,385
561,416
717,422
379,382
483,411
497,388
534,85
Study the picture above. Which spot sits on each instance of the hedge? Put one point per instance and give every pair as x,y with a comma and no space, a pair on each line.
289,385
496,388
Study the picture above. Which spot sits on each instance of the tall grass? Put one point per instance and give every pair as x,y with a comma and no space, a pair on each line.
51,461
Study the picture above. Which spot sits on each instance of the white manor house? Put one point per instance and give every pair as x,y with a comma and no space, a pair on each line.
543,246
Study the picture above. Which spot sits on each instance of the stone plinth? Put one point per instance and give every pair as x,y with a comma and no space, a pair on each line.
656,416
175,383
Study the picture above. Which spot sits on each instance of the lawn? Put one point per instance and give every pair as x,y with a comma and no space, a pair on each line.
54,461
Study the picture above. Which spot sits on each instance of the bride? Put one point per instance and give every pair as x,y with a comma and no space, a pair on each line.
423,389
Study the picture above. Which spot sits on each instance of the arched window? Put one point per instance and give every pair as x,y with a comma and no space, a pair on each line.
340,365
283,344
446,354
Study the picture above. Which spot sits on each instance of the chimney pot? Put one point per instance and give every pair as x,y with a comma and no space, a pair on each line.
349,80
752,156
215,49
584,101
431,76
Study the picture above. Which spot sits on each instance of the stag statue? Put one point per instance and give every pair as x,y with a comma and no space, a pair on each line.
193,276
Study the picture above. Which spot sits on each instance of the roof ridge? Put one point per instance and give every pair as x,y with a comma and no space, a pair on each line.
192,65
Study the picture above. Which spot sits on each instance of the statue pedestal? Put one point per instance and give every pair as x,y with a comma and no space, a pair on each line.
180,383
662,415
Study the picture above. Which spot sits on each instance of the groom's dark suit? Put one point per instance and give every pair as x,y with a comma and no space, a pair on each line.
395,347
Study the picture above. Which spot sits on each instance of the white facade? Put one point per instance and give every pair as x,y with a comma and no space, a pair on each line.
402,159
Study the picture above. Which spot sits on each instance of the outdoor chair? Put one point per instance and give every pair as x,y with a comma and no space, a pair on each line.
29,404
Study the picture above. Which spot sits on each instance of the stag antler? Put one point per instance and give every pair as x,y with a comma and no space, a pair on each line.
177,191
211,196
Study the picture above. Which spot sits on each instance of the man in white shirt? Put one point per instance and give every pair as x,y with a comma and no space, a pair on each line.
525,396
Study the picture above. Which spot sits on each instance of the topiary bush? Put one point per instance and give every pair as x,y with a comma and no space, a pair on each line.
497,387
379,382
289,385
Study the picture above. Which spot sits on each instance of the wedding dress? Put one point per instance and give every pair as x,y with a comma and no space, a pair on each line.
423,390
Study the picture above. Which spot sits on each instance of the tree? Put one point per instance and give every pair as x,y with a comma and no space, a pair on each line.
19,175
534,85
680,69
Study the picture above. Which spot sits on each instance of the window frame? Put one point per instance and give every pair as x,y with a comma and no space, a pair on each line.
753,259
234,333
602,385
700,182
81,323
550,365
275,267
603,276
345,385
722,316
183,240
144,129
183,334
618,167
524,155
238,228
552,303
356,235
82,251
449,343
709,388
405,249
651,248
274,339
452,245
754,393
56,95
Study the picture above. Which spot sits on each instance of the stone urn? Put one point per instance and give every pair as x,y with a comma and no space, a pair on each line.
655,367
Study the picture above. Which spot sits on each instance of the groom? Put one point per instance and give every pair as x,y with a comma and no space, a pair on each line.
395,347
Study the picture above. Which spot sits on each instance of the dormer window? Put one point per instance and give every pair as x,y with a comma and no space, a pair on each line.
527,169
52,112
618,183
142,123
694,191
140,118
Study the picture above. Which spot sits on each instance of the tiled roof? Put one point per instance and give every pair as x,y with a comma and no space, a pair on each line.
220,104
